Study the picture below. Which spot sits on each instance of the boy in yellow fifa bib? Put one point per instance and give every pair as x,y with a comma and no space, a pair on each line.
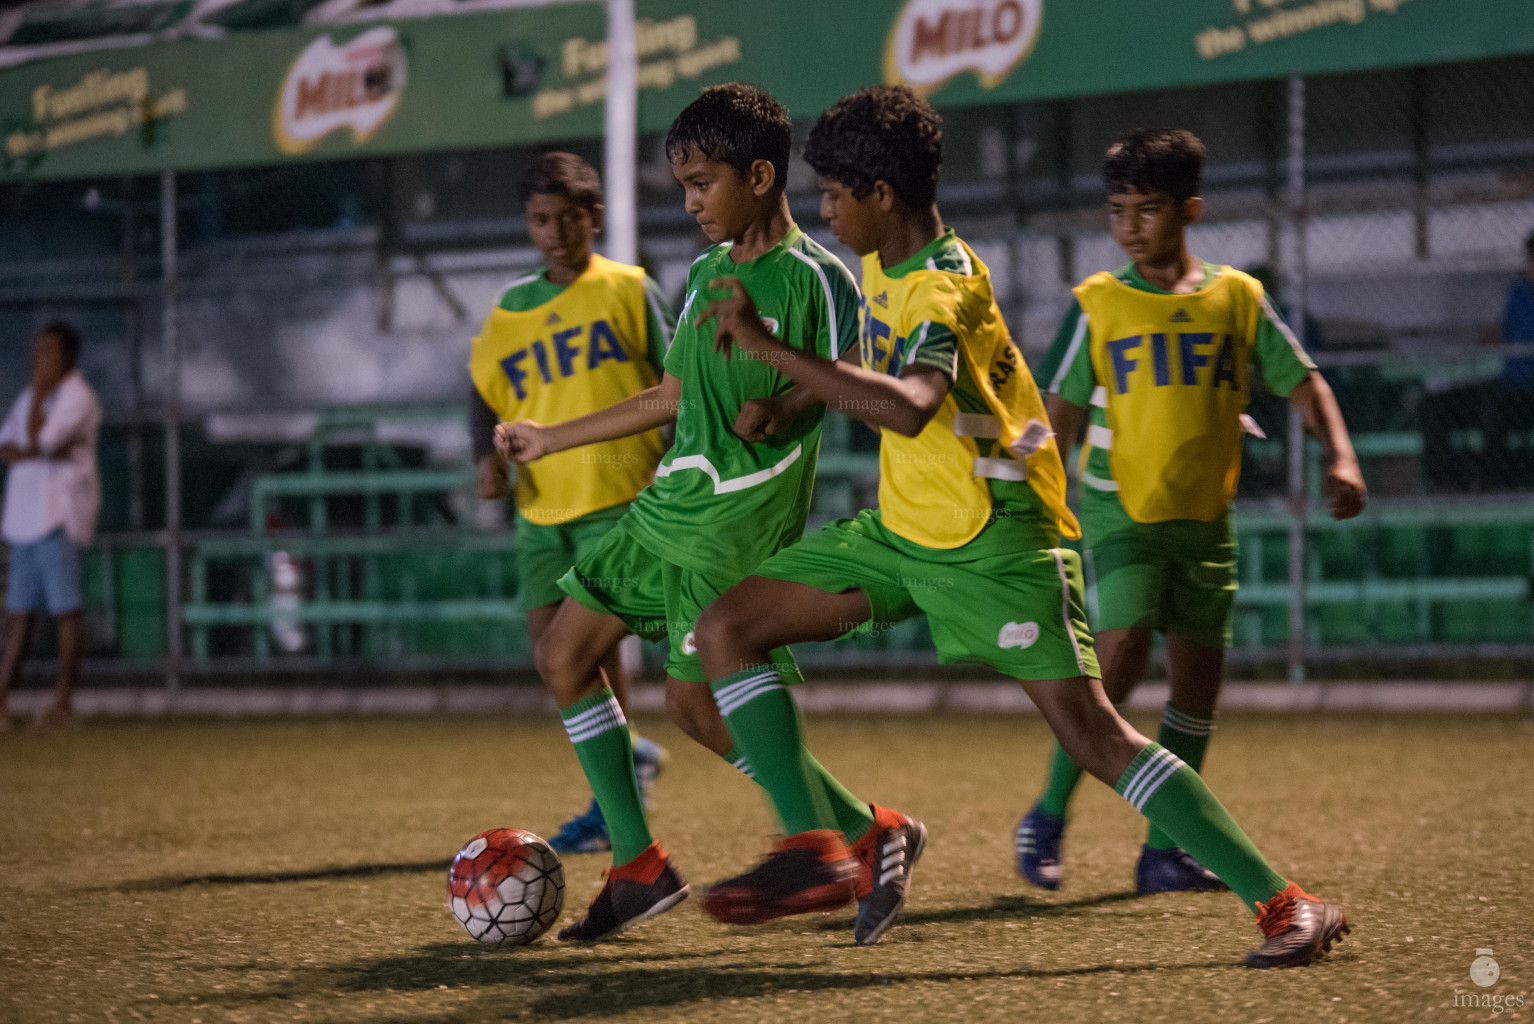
1162,351
971,513
572,336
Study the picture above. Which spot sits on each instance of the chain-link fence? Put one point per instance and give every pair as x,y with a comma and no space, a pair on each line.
1389,212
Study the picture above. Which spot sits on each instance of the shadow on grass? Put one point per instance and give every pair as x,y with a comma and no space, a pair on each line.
658,988
1001,907
574,984
167,883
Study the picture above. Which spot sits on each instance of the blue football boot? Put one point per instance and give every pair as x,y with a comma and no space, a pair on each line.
1037,841
1173,871
584,833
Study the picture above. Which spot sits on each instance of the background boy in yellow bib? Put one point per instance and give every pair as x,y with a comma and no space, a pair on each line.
572,336
961,428
1162,351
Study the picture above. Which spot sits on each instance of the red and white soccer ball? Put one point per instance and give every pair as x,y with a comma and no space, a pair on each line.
506,885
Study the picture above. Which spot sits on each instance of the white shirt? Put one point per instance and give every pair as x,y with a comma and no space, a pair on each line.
62,486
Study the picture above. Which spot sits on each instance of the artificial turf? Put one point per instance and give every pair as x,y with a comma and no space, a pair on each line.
295,870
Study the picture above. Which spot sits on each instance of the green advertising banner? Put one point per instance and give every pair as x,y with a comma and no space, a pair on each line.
533,75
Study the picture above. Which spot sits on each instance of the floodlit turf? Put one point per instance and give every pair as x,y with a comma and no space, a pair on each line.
205,872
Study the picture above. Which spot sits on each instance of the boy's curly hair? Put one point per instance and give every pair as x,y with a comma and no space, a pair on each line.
885,133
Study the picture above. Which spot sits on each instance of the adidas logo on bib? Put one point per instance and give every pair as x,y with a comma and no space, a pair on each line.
1181,317
1018,634
552,320
882,299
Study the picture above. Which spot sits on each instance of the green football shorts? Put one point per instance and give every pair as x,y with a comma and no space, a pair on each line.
656,599
1019,611
544,552
1177,576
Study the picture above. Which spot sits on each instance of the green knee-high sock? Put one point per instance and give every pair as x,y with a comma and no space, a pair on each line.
852,815
1187,736
1060,783
1176,800
602,742
739,762
765,727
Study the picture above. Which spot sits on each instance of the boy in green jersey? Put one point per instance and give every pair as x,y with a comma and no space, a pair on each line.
971,513
1161,351
719,504
576,305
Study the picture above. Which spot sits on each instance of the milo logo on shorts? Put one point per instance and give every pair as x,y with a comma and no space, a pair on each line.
1018,634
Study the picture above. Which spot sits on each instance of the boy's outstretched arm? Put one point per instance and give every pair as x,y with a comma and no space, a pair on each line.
902,404
524,440
761,418
1317,406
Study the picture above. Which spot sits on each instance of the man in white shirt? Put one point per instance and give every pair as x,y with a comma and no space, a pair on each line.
52,499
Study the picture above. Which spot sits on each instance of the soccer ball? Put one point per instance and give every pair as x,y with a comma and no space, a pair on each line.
506,885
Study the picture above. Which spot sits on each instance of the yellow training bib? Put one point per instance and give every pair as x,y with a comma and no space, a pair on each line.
582,351
1176,369
933,487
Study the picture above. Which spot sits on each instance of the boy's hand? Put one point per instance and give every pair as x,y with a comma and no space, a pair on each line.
522,441
492,475
1345,489
760,418
736,320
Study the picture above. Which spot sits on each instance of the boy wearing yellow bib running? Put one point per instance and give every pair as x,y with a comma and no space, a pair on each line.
575,335
971,512
1162,350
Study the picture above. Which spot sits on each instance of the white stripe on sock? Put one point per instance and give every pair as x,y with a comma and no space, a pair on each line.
729,707
1171,714
730,690
1164,771
607,709
1132,790
1186,723
583,735
596,720
606,720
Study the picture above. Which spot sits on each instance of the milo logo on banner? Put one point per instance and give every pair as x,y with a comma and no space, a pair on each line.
934,40
357,85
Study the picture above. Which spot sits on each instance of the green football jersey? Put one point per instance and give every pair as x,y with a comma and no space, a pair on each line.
718,504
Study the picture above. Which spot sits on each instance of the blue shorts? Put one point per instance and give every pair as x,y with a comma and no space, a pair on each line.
44,574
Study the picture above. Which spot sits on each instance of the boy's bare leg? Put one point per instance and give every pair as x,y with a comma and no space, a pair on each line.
71,627
1196,674
691,708
1087,726
571,649
1123,655
18,636
611,666
1039,837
